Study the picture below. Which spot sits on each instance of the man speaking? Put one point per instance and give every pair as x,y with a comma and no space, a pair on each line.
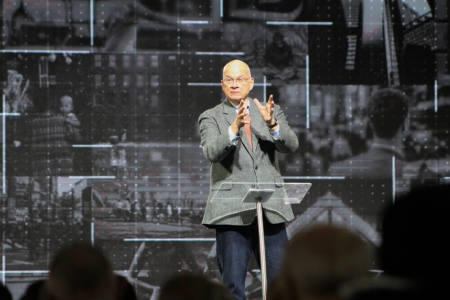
241,138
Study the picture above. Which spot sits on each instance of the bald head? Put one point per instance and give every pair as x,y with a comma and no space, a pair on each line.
237,82
237,65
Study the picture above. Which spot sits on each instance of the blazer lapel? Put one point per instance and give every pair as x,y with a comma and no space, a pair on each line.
228,111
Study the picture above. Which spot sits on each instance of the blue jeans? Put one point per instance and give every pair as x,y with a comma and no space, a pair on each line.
235,245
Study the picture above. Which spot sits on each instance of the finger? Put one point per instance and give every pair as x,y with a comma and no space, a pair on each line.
241,105
242,110
271,102
244,119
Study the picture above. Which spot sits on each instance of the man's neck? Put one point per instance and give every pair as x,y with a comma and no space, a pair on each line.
388,144
235,103
393,142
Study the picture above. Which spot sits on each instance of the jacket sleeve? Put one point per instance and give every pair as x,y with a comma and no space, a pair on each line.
215,140
287,141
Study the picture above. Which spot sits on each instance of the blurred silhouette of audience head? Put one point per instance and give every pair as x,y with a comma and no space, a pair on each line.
80,272
4,293
193,287
414,230
318,262
34,290
413,252
124,289
387,110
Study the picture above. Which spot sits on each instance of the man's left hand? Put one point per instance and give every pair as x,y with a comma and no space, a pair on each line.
266,111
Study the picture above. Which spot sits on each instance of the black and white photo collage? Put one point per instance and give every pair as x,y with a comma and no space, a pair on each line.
100,101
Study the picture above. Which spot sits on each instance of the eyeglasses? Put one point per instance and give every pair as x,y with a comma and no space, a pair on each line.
239,81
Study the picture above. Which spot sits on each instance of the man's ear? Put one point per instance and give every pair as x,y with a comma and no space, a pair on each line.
252,83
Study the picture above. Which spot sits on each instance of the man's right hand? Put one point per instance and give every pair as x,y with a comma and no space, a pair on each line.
242,117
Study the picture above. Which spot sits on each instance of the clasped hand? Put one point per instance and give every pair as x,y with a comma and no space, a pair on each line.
243,117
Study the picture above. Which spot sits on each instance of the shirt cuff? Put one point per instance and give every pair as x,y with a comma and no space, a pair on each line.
233,138
275,133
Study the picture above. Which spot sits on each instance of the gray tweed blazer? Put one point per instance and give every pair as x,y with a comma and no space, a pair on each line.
235,168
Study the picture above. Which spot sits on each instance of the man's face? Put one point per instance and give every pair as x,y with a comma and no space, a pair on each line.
237,82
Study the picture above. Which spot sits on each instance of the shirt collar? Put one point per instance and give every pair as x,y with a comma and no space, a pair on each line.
236,107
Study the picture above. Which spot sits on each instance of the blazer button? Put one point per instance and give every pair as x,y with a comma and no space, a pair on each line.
256,167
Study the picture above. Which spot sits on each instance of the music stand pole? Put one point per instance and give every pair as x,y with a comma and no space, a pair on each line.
259,196
262,247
